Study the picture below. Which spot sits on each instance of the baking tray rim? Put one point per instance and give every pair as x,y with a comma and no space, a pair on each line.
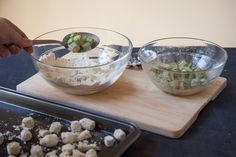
120,149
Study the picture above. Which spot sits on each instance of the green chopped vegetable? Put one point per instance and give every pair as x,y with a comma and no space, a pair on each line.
181,75
76,37
79,42
70,41
86,46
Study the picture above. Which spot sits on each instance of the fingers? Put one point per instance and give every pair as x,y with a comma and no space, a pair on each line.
29,49
9,50
4,51
22,42
18,30
17,39
10,35
14,49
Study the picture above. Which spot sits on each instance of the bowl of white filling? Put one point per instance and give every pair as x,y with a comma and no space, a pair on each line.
82,73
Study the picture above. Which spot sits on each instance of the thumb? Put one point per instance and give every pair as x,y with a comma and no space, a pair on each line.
17,39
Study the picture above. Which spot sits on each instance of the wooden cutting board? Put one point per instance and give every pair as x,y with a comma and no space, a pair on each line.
134,98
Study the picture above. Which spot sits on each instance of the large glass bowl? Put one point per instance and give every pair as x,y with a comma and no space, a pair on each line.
181,65
83,73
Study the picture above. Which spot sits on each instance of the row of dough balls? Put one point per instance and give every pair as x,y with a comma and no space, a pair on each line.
37,151
49,138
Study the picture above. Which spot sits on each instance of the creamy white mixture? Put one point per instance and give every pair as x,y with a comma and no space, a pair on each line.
78,76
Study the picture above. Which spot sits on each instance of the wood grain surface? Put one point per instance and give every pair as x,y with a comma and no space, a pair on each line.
135,98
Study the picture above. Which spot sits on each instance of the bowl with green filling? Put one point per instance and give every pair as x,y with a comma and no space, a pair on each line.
181,65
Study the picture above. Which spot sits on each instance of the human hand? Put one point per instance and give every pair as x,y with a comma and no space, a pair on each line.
12,39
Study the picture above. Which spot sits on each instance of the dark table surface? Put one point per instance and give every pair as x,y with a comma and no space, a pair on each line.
212,135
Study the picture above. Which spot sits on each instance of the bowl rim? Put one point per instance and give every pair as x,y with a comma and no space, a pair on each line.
188,38
130,47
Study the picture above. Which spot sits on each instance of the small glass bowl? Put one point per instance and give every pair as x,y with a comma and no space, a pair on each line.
83,73
181,65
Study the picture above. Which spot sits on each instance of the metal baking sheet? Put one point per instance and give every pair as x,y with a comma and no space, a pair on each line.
15,106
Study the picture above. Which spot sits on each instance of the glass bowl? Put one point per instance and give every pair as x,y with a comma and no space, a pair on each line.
182,65
82,73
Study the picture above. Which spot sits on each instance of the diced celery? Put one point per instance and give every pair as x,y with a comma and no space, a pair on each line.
69,41
76,49
89,40
76,37
86,46
192,78
79,42
83,37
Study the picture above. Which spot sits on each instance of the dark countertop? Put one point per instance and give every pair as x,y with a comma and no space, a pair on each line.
212,135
